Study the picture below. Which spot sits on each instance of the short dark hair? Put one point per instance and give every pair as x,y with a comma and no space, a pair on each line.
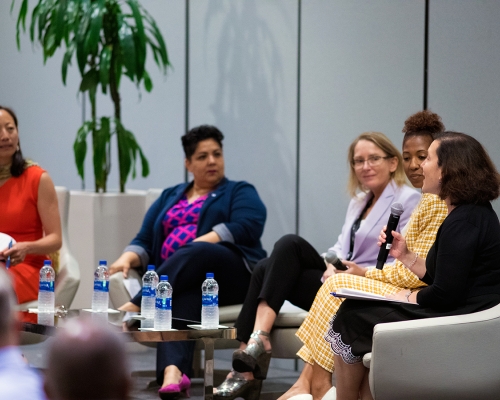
468,176
203,132
18,161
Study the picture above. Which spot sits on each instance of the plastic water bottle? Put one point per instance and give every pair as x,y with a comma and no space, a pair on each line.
100,298
148,323
46,319
210,303
163,311
149,284
46,297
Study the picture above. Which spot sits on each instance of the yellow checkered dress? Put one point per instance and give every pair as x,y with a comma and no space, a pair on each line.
422,228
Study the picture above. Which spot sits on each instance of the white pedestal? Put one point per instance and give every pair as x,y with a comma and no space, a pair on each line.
100,226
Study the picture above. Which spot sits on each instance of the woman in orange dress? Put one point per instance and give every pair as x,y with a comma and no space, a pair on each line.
28,211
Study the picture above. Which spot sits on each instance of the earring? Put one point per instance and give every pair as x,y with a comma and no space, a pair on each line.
18,148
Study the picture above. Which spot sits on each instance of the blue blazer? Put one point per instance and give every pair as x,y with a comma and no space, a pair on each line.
234,210
365,243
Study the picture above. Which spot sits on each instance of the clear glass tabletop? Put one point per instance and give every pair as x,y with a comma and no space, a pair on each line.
132,326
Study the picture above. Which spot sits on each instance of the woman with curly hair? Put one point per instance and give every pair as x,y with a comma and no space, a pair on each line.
419,131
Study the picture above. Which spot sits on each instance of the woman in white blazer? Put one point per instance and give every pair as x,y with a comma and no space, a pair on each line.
295,270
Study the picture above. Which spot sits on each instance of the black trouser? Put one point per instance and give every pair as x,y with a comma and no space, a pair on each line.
292,272
186,270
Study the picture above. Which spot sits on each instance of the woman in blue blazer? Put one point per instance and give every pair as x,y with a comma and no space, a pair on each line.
295,271
211,224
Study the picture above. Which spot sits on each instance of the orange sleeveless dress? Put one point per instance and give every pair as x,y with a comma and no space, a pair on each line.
19,218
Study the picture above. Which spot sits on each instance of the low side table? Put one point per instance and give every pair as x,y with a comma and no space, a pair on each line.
207,336
31,323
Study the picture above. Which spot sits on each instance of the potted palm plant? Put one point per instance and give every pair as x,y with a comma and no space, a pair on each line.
109,40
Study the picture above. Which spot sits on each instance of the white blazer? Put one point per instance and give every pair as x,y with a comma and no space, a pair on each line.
365,250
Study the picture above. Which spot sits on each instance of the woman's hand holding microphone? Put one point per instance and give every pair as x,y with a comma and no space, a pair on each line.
400,251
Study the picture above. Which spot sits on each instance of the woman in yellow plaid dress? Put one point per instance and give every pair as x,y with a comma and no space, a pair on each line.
420,234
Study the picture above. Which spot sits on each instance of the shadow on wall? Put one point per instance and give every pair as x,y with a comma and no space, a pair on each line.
251,100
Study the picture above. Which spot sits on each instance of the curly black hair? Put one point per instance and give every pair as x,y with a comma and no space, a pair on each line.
422,123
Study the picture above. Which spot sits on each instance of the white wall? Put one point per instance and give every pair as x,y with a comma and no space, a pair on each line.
361,69
243,79
49,114
464,69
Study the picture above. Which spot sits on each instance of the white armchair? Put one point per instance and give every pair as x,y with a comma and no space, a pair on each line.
437,358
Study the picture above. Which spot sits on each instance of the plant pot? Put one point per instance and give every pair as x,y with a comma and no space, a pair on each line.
101,225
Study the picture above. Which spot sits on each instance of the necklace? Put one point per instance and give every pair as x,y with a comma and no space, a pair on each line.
5,172
5,169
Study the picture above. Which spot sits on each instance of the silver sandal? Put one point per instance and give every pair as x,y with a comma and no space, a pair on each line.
238,386
254,358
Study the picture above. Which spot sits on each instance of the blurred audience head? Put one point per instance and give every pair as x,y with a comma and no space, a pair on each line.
203,132
420,130
390,151
8,319
468,175
87,361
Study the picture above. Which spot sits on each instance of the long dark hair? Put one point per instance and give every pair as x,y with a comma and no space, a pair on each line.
468,176
18,161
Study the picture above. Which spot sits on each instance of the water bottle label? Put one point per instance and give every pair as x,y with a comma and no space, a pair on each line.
164,304
46,286
101,286
148,291
210,300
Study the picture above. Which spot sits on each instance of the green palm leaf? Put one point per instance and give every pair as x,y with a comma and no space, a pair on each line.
108,44
104,65
66,61
139,39
80,147
59,23
93,37
21,20
128,48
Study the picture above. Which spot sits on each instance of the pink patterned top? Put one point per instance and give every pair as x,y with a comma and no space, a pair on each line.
180,224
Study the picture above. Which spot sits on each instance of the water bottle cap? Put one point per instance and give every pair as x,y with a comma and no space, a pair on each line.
210,275
47,262
164,278
103,262
151,267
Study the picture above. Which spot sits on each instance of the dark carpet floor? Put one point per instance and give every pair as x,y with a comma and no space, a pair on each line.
282,373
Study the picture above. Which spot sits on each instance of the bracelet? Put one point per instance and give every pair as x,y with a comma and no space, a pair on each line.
413,262
408,296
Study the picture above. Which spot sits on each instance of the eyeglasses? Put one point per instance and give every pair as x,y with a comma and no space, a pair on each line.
372,161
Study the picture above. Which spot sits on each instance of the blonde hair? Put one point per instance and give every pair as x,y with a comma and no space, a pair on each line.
384,144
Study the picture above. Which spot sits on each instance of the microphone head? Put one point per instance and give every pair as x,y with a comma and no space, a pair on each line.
397,209
331,257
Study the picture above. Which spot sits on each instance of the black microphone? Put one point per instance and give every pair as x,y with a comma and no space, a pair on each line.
332,258
396,211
